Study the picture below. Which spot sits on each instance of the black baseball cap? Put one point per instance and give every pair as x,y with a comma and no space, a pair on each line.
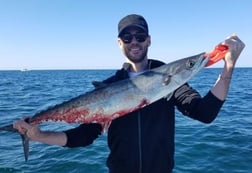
132,20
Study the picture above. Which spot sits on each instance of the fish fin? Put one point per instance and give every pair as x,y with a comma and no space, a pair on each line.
8,128
98,84
25,142
168,96
167,79
105,126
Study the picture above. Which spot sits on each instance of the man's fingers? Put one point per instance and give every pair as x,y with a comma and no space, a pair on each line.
21,126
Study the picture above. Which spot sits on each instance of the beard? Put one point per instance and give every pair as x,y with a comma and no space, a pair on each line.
137,58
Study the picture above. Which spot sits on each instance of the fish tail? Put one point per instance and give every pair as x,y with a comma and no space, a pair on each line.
25,143
25,140
8,128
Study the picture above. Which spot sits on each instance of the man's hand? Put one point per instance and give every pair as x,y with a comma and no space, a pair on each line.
31,131
235,47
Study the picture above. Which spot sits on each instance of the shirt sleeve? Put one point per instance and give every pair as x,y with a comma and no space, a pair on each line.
83,135
190,103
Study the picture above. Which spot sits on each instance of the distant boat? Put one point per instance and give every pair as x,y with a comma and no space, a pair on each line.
24,69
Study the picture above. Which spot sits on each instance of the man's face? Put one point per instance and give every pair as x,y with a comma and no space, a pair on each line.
134,43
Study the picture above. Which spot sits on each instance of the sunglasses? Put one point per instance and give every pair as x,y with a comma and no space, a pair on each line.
127,38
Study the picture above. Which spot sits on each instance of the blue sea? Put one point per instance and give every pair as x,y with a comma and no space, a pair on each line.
223,146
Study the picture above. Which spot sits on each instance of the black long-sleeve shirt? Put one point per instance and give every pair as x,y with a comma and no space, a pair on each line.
143,141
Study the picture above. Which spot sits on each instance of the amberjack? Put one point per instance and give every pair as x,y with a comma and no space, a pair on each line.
111,101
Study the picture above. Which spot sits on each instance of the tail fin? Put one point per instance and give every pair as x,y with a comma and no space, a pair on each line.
25,140
8,128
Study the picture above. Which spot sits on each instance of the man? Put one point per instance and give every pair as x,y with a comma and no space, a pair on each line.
143,141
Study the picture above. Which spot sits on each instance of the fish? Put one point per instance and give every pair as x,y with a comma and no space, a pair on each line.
108,102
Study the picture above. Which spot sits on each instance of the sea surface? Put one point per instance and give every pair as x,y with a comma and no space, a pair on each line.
225,146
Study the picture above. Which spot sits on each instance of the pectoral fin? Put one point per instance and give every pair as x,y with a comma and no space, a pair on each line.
168,96
167,79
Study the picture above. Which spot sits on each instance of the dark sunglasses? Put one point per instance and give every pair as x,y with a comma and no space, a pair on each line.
127,38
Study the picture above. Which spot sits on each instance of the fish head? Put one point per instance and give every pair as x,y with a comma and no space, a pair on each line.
180,71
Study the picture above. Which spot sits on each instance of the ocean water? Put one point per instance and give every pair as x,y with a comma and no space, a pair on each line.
223,146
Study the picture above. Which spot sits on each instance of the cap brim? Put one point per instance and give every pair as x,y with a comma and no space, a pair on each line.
138,26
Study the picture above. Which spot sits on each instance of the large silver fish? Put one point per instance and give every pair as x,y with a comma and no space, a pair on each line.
104,104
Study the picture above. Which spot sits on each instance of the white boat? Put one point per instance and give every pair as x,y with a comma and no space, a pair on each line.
24,69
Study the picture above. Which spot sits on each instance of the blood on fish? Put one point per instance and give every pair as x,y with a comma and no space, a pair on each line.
71,115
100,117
143,103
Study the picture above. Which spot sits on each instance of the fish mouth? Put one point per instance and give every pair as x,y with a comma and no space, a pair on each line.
203,60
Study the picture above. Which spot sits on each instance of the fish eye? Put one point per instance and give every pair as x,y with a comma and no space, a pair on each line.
190,63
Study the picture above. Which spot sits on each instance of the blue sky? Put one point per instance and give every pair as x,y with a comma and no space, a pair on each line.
75,34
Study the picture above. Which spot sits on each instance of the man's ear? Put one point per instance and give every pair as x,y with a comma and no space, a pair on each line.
119,42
